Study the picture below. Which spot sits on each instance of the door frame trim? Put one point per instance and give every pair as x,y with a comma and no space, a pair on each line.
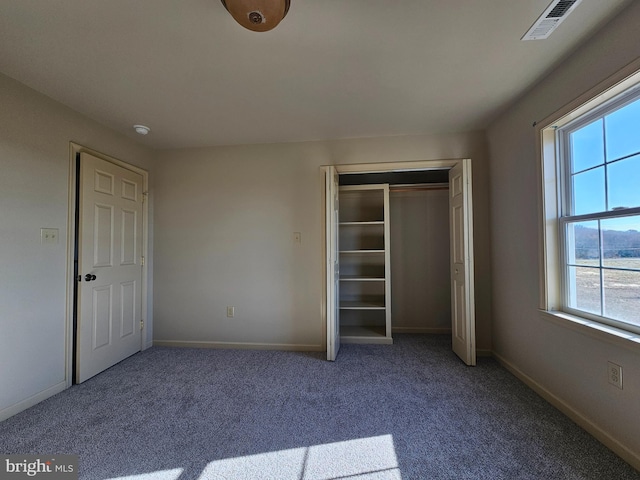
385,167
74,150
399,166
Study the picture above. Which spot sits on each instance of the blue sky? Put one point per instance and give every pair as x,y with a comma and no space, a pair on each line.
615,141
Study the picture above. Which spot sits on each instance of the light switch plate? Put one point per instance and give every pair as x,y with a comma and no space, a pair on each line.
49,235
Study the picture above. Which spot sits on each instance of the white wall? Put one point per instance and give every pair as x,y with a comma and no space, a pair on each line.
420,268
224,223
35,133
570,364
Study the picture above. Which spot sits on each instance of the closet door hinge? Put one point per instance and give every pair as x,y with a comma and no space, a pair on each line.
142,261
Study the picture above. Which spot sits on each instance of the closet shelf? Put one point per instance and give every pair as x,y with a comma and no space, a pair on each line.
362,331
361,305
360,252
356,278
358,224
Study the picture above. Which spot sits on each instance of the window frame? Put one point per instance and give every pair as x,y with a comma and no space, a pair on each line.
556,193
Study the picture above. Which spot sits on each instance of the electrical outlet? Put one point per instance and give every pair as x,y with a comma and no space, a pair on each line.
231,311
615,375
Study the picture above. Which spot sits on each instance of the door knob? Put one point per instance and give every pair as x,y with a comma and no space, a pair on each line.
88,277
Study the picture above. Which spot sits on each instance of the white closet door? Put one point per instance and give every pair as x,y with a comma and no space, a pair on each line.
462,288
110,253
333,265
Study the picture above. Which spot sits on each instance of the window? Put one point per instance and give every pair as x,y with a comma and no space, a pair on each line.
592,232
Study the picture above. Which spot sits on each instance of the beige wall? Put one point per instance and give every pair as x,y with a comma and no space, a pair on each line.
570,364
225,218
420,267
35,133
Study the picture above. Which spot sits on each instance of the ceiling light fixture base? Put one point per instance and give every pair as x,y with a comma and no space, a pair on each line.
257,15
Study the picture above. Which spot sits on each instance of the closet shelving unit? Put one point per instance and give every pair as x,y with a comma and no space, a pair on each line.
365,273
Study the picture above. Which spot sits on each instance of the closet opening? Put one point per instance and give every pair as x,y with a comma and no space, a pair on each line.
399,254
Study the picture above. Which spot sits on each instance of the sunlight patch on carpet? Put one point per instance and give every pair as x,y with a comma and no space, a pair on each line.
365,458
172,474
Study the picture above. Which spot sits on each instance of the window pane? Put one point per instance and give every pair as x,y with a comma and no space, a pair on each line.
623,179
623,131
588,192
622,295
584,289
621,242
587,147
583,243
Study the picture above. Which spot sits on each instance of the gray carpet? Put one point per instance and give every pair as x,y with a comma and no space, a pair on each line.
407,411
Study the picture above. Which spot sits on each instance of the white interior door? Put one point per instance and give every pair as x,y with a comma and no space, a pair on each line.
333,263
109,265
461,237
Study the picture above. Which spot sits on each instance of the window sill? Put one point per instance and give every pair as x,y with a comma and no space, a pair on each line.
594,329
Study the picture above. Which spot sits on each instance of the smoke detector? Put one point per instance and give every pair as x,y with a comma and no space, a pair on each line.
141,129
553,16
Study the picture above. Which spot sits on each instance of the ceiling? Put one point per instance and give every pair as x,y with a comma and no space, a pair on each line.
332,69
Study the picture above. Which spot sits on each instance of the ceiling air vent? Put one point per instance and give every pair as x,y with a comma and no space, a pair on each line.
553,16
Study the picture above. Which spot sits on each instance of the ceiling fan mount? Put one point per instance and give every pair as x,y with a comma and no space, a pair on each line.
257,15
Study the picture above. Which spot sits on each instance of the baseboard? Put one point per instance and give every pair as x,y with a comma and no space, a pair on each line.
31,401
425,330
240,345
481,352
601,435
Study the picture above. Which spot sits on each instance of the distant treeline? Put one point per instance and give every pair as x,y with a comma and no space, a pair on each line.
616,244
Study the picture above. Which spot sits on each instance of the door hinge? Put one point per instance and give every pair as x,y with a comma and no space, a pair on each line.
141,324
144,196
142,261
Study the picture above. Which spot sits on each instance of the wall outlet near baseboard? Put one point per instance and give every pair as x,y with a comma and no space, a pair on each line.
615,374
231,311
